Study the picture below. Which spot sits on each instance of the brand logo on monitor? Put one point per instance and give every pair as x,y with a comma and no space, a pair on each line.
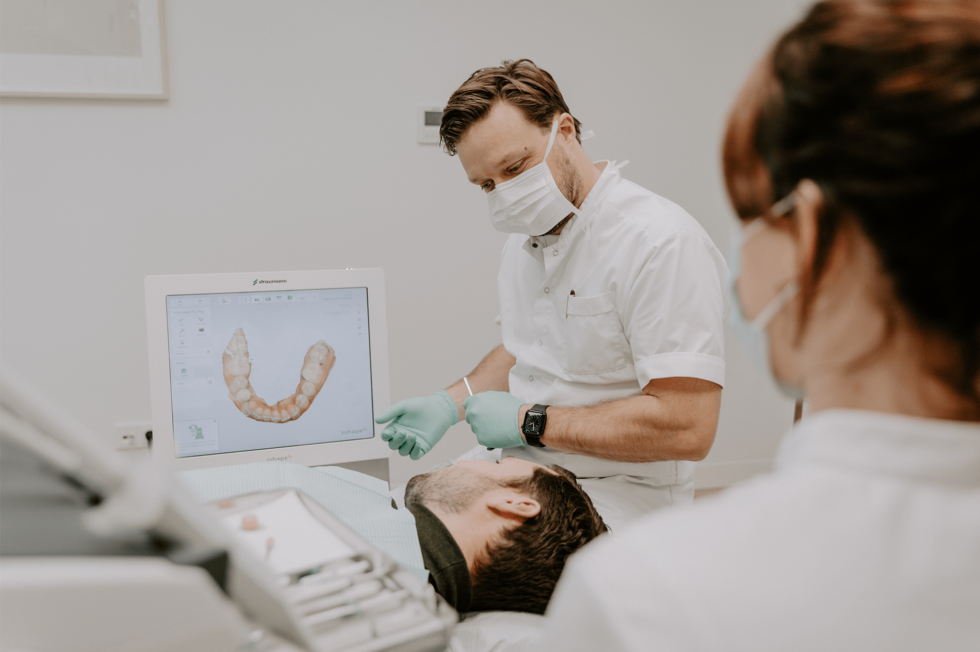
278,459
258,282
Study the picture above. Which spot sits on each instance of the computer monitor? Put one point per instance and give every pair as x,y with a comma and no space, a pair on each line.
251,367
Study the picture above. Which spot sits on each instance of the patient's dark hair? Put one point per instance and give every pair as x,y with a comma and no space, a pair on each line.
520,571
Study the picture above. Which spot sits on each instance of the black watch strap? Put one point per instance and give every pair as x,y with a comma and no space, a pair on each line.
535,420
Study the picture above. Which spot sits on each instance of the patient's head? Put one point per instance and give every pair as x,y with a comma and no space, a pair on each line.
516,522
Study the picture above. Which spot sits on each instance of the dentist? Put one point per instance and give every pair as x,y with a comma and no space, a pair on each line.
611,309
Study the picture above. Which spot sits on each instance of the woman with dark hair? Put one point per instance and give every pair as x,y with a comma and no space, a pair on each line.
852,158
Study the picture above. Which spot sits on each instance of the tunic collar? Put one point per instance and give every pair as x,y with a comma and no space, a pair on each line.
608,179
936,451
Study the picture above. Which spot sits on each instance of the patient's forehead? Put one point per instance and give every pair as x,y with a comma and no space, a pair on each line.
508,467
530,467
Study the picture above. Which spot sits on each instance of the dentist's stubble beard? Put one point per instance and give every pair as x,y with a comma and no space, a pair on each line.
569,182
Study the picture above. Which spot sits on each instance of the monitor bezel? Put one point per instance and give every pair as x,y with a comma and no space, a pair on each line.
158,288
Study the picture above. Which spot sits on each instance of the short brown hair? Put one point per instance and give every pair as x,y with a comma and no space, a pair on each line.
519,572
878,103
520,83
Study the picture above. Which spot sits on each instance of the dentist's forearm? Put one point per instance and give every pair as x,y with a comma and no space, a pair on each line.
490,375
675,420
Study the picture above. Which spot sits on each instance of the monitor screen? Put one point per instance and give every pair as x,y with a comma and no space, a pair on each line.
258,370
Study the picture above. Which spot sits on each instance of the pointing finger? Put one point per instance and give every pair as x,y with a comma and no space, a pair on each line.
393,412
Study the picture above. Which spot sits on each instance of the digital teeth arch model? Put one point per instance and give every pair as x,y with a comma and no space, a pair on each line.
317,364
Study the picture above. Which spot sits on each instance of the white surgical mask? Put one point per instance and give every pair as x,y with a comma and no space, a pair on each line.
531,202
752,333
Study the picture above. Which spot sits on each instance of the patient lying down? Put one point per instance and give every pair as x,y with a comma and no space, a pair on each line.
495,537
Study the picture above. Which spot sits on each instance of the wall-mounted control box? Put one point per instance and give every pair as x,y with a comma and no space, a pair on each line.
428,121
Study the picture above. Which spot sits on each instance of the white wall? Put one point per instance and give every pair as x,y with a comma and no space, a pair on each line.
288,142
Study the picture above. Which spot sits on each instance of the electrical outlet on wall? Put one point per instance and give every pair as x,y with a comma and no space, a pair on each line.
131,435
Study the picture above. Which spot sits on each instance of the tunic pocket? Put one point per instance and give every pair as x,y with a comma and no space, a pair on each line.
594,338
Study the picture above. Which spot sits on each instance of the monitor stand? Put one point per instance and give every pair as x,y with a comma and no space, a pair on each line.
374,468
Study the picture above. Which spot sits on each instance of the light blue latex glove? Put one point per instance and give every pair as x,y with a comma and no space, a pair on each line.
417,424
493,418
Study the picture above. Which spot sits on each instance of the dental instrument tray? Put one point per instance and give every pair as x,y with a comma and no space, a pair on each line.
350,596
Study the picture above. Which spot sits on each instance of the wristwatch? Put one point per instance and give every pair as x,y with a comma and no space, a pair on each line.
535,420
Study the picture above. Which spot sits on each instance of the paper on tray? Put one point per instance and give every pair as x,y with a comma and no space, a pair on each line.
288,537
360,501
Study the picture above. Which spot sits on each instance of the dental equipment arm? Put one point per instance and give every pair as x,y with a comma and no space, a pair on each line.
40,425
138,497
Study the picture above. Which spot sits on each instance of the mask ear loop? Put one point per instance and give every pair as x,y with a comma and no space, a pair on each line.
551,140
785,295
782,208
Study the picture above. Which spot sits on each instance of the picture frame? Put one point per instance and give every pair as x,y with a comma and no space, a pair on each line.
114,49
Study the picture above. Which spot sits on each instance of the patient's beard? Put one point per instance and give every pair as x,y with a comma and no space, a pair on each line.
447,489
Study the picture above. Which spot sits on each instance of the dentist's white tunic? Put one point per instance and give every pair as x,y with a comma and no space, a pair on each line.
866,537
631,290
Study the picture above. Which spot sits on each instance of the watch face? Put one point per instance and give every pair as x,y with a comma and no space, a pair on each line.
533,424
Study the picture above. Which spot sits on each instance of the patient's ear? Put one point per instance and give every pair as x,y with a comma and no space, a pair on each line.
513,505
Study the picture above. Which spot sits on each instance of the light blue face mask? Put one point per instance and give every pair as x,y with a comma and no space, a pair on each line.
752,333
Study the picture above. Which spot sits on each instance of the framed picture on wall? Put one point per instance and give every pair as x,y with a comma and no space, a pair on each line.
89,49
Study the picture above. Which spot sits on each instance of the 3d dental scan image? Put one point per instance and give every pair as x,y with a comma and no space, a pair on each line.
317,364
